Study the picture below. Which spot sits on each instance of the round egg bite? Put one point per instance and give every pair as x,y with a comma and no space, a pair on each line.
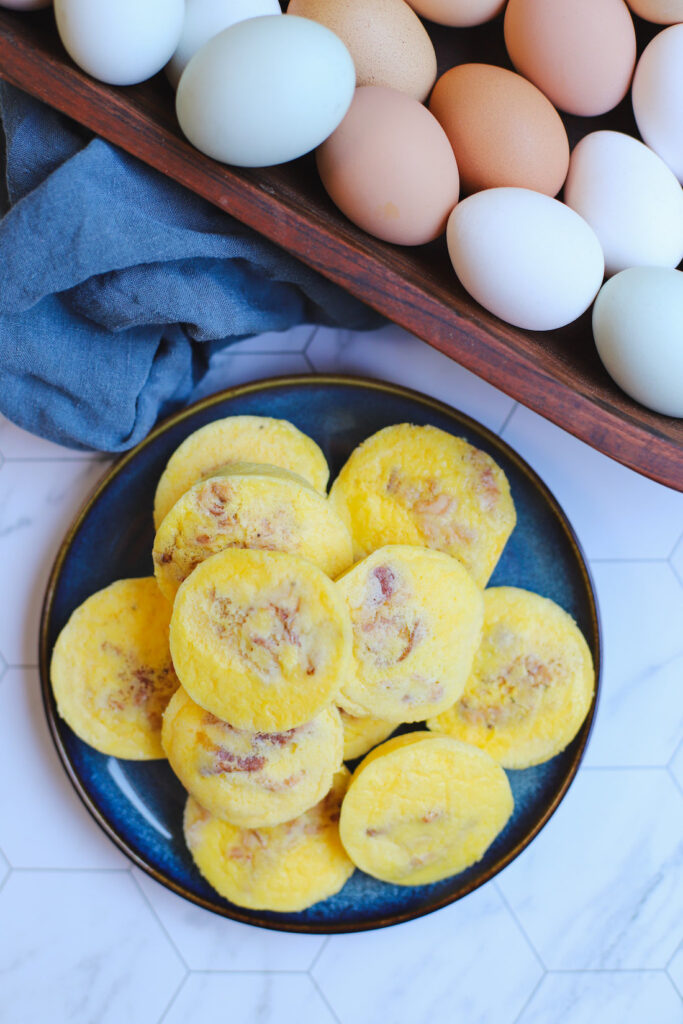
416,616
419,485
362,734
260,639
285,868
111,669
249,506
252,779
423,807
238,439
531,685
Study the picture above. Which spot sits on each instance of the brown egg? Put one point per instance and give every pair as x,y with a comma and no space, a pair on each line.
388,42
503,130
390,168
580,53
462,13
662,12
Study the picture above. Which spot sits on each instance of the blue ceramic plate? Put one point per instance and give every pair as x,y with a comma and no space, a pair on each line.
140,804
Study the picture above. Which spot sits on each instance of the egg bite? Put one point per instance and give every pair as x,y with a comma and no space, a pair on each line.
260,639
531,685
285,868
419,485
362,734
423,807
249,506
238,439
251,779
111,670
417,617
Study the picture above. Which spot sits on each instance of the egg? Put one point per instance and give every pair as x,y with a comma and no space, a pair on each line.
580,54
658,97
502,129
525,257
25,5
462,13
386,39
265,90
638,330
630,198
390,168
120,43
662,12
204,19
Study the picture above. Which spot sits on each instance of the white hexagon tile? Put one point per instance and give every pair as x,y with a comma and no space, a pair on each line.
586,925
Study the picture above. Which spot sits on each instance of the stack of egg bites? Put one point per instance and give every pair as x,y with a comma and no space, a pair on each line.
286,631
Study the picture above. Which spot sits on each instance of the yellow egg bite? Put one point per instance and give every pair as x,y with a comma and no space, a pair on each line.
249,506
286,868
419,485
252,779
261,639
238,439
111,670
362,734
423,807
531,685
417,618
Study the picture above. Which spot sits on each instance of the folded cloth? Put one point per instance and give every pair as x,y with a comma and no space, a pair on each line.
116,284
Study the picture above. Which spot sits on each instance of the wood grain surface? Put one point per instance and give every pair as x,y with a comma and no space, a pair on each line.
556,373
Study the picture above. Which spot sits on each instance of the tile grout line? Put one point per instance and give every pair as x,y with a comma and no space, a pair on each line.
247,971
309,364
174,996
158,920
673,778
6,879
670,976
324,998
310,339
522,930
507,419
527,1002
326,942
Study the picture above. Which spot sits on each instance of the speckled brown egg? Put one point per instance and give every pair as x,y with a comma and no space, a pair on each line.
390,167
503,130
661,12
386,39
461,13
581,54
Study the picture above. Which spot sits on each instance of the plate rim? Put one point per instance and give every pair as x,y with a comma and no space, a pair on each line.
232,911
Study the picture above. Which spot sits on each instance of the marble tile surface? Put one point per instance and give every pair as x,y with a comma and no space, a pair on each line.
435,969
616,513
586,925
82,946
610,997
262,998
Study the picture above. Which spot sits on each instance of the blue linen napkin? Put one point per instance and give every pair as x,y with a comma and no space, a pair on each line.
116,284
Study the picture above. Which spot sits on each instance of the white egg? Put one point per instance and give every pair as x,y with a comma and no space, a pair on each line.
525,257
638,331
265,91
120,41
630,198
204,19
25,5
657,95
